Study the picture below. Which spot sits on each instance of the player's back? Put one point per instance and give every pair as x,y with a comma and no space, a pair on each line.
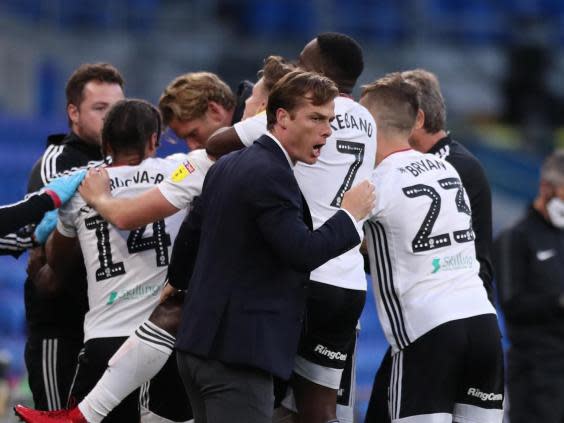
421,247
346,159
126,269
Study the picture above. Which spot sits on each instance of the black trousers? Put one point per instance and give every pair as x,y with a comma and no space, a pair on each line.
224,393
535,388
51,366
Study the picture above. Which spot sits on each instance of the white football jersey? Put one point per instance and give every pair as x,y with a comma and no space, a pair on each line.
346,159
186,181
421,248
125,269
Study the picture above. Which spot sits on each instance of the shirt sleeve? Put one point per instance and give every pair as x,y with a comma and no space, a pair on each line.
185,183
251,129
66,223
30,210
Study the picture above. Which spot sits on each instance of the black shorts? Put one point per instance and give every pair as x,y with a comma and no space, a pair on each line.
329,331
455,371
165,395
346,392
51,365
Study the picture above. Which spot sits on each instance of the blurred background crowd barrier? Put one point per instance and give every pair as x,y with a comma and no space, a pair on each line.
500,63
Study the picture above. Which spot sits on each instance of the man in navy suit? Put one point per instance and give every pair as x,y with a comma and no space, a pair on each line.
255,248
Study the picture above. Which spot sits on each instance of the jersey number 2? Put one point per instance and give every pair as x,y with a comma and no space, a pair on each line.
423,241
135,243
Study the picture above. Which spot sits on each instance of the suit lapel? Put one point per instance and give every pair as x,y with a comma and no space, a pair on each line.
271,145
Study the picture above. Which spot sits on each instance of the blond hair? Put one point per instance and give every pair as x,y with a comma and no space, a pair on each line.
187,97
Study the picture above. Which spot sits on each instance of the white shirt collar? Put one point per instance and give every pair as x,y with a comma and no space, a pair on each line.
282,148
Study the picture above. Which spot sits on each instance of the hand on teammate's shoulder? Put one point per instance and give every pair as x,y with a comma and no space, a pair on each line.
95,186
359,200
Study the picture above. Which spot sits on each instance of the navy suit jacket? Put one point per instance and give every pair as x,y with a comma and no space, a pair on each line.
251,230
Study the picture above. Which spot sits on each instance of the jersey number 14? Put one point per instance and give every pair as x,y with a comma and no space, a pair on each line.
159,241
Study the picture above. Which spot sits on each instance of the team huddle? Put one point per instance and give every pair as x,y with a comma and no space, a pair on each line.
227,284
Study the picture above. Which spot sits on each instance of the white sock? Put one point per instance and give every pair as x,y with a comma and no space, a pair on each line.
137,361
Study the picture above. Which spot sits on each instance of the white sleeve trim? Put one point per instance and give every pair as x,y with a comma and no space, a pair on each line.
65,230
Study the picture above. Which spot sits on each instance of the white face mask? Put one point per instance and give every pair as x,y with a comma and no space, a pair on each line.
555,209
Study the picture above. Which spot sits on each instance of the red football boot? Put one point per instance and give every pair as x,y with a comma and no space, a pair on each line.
30,415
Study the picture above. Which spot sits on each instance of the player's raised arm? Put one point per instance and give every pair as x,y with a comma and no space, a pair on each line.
223,142
124,213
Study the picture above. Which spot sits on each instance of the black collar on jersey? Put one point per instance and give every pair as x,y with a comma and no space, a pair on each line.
93,152
244,91
440,144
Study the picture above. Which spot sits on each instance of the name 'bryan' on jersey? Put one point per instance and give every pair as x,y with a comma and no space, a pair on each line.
421,248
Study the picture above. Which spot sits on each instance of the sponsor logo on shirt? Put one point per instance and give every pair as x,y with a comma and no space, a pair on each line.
449,263
544,255
182,171
484,396
132,294
333,355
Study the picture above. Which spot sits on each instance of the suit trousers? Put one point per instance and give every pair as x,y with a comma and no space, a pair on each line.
225,393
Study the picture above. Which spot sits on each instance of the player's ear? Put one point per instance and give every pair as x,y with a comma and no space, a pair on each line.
216,111
262,107
420,119
72,112
153,144
282,117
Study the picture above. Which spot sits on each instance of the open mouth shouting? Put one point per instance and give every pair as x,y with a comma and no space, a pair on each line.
317,149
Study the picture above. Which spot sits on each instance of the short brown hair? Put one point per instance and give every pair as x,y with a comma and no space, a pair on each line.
187,97
394,101
293,89
275,67
431,100
101,72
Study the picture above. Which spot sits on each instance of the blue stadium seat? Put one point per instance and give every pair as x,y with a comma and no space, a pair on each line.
384,21
13,274
272,18
14,347
12,314
475,22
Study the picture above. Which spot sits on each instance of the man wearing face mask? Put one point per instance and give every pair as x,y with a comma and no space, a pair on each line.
529,261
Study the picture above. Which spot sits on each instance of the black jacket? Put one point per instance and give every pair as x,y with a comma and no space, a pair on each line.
246,293
479,192
60,314
529,260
